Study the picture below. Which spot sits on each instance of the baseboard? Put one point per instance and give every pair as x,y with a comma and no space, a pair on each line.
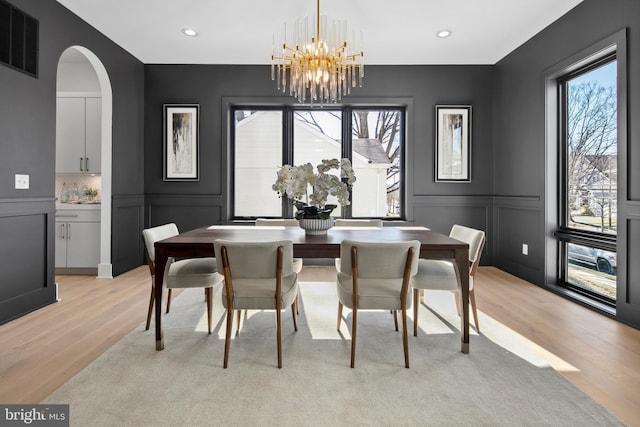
105,271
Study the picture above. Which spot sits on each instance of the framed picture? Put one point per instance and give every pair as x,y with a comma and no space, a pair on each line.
181,157
453,143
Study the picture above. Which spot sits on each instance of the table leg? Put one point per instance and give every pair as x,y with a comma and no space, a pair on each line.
462,262
161,262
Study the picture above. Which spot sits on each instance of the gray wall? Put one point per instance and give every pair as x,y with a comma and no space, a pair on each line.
519,152
215,87
27,138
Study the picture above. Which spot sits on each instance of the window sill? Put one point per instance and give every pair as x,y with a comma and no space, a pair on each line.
583,300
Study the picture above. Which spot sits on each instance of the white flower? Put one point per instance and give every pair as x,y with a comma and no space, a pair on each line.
306,188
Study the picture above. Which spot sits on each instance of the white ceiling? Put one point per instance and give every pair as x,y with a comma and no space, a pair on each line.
395,32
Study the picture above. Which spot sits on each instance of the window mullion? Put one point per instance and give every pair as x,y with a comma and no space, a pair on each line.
287,153
347,142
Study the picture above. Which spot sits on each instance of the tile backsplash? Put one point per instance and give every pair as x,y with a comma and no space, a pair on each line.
81,182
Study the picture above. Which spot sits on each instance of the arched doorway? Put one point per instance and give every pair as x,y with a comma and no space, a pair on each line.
104,88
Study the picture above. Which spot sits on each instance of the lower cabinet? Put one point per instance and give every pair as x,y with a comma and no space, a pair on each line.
78,239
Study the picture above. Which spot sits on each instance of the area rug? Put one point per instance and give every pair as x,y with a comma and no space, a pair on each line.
132,384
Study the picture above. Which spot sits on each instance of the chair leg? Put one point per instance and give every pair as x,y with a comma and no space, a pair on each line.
472,300
416,310
168,300
239,314
405,339
354,326
227,338
339,314
395,319
152,300
279,336
457,298
208,293
294,314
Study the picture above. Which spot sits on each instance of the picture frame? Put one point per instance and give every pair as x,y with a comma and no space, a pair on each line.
453,143
181,159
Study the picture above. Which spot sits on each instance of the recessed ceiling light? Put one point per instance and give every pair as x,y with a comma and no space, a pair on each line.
189,32
443,33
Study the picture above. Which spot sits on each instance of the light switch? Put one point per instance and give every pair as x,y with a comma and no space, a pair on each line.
22,182
525,249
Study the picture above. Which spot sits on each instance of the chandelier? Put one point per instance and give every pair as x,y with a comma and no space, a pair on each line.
320,64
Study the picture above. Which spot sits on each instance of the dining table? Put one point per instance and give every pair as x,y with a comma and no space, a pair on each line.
199,243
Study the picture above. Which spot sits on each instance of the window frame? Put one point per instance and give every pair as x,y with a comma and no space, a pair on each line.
288,112
565,234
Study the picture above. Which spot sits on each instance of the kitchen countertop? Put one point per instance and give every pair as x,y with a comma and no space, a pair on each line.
83,206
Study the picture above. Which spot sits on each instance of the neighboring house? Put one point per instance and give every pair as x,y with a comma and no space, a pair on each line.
259,154
597,185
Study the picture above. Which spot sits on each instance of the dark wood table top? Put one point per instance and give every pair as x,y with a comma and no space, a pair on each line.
433,245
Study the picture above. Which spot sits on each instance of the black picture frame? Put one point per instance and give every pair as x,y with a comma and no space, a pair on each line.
181,158
453,143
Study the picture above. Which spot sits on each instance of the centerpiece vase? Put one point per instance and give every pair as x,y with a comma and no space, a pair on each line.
315,226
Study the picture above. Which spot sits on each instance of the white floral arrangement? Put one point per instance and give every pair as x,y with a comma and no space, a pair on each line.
309,191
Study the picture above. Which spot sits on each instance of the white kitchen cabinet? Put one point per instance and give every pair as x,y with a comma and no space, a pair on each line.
78,134
77,238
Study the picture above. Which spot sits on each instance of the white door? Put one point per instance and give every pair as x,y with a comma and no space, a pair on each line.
93,134
83,244
70,135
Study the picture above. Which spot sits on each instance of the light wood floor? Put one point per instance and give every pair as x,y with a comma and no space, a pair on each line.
42,350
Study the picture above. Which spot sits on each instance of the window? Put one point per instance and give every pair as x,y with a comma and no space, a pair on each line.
258,150
589,153
265,138
18,39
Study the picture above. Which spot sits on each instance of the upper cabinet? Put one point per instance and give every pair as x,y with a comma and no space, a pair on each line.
78,135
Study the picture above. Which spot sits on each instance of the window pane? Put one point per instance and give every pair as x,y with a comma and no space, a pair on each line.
317,136
376,154
592,150
590,192
258,153
592,269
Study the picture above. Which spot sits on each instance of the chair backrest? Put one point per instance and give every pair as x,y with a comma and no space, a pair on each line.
379,260
281,222
342,222
155,234
475,239
255,260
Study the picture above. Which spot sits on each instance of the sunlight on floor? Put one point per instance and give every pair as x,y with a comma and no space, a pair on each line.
442,303
319,310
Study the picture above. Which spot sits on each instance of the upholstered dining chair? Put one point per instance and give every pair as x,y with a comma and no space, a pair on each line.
376,276
282,222
257,276
347,222
443,274
184,273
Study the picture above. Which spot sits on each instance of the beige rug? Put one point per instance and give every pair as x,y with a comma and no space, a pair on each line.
185,385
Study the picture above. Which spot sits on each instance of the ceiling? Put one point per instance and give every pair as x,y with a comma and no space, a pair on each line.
399,32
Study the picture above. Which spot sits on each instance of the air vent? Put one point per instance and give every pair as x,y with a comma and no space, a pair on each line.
18,39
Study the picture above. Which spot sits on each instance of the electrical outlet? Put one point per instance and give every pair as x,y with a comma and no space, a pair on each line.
525,249
22,182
